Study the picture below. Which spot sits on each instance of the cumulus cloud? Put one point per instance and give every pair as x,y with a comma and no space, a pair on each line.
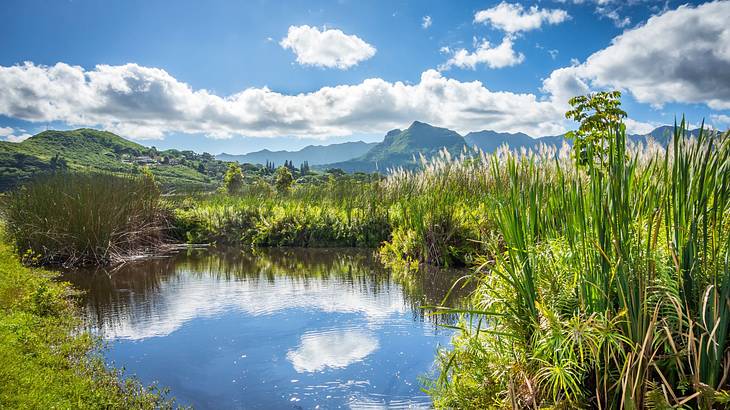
563,84
13,135
721,121
18,138
500,56
514,18
639,127
426,22
681,55
327,48
144,102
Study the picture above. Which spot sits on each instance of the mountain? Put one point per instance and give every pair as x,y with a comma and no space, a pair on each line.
489,141
662,135
100,151
399,147
314,154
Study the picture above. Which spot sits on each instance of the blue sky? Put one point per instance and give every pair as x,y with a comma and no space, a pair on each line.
240,76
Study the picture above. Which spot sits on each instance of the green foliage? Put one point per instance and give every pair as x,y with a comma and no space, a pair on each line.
44,362
607,284
70,218
598,115
233,181
283,179
312,216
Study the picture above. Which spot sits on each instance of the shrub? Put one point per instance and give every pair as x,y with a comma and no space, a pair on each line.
233,180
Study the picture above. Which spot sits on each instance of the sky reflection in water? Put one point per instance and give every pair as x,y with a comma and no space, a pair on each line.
276,329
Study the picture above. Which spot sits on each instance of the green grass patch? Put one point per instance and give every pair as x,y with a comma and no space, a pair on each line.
44,362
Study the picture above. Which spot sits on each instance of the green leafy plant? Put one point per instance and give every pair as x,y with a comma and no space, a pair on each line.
597,114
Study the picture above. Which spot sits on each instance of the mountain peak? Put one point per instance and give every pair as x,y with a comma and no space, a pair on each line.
392,132
419,124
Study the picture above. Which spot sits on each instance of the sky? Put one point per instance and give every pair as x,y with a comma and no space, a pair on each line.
232,76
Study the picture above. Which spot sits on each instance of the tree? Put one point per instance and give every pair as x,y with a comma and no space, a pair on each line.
233,180
284,179
304,168
597,114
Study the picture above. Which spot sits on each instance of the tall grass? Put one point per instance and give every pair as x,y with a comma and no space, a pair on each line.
606,286
70,218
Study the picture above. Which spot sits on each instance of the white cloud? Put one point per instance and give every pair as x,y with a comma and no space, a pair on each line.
563,84
426,23
720,121
494,57
17,138
144,102
613,15
14,135
638,127
327,48
514,18
682,56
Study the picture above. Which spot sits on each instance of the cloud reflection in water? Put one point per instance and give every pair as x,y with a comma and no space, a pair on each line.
332,349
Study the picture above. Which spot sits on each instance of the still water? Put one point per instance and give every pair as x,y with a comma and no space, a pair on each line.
273,329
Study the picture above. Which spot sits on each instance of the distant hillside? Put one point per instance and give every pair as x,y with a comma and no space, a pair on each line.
314,154
663,135
400,147
489,141
92,150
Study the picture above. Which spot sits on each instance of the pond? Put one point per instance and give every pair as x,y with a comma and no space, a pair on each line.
279,328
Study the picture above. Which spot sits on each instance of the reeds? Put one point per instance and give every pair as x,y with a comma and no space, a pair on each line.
71,219
640,248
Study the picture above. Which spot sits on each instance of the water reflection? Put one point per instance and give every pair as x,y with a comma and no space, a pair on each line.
270,329
157,296
334,349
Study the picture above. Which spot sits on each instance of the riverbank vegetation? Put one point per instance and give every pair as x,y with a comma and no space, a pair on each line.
607,284
44,362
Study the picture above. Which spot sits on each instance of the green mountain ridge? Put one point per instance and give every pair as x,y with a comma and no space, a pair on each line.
87,149
400,147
